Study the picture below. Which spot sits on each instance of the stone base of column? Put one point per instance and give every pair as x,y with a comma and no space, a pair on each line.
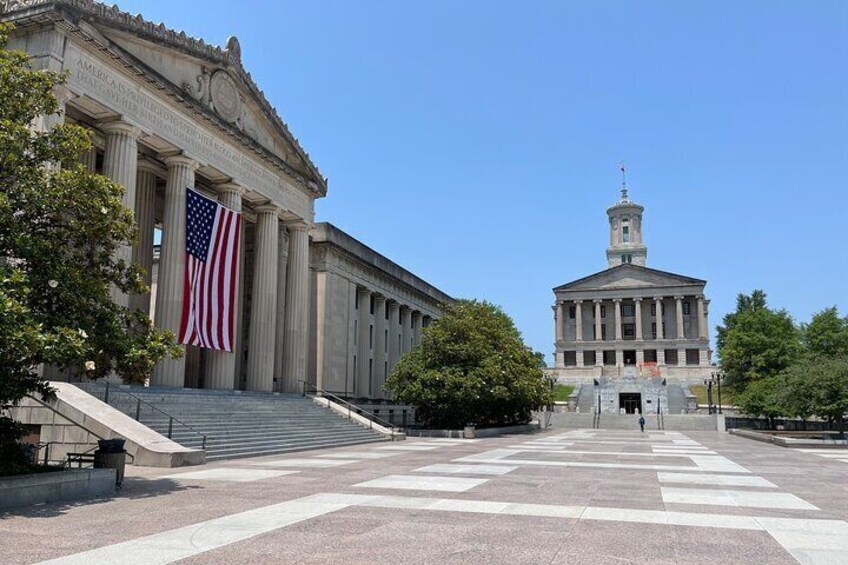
220,370
169,372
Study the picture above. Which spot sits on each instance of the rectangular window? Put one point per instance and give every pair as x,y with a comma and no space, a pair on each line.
603,311
609,357
572,312
654,330
370,337
686,307
625,231
628,331
692,357
628,310
570,358
603,331
653,308
589,358
650,356
671,357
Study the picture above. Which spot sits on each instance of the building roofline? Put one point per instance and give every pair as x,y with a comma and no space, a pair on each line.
688,280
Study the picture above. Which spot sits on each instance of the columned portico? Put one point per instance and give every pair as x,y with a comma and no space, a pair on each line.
363,351
406,328
145,204
221,365
120,163
578,320
263,316
678,300
658,305
297,306
379,345
169,294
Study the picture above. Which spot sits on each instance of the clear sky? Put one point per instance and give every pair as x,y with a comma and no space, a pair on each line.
477,143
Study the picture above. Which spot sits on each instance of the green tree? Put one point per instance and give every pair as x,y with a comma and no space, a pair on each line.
756,342
60,227
471,367
819,386
826,334
763,398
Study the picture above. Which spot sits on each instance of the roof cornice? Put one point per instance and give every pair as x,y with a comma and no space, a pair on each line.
228,57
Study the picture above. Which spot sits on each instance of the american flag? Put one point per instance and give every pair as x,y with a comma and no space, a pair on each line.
212,272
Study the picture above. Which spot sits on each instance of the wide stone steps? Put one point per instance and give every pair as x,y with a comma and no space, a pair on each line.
237,424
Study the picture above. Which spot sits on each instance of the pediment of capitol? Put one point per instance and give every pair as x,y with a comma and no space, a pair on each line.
631,278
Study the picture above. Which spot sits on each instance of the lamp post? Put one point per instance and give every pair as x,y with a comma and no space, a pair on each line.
709,385
717,376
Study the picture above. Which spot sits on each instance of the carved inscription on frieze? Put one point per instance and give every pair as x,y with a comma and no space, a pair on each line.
90,76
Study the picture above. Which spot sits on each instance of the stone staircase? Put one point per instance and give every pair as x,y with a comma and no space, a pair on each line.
237,424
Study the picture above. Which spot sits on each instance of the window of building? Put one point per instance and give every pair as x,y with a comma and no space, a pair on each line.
628,331
625,230
569,358
686,307
692,357
603,311
589,358
626,258
628,310
650,356
653,308
671,357
653,330
572,312
609,357
603,331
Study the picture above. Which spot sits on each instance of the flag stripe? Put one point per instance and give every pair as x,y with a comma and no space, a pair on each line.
213,243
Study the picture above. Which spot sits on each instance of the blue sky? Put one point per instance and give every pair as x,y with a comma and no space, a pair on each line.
477,143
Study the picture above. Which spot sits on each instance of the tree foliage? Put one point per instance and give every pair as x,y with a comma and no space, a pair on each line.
826,334
60,226
471,367
756,342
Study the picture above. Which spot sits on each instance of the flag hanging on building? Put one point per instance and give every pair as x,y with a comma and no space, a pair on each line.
211,273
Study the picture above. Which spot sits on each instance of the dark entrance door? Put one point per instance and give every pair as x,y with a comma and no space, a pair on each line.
630,401
629,356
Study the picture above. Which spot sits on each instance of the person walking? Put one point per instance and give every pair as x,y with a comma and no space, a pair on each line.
642,423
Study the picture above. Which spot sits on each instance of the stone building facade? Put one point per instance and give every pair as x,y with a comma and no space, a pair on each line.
168,112
631,319
366,312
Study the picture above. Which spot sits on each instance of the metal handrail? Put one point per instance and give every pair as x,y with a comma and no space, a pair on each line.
140,401
373,418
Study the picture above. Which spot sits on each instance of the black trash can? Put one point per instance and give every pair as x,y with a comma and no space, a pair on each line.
110,454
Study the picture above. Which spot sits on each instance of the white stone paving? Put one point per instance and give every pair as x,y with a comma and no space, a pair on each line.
467,469
229,474
314,462
420,482
748,499
358,455
715,480
412,447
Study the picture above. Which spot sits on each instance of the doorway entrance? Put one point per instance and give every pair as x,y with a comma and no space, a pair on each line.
630,402
629,356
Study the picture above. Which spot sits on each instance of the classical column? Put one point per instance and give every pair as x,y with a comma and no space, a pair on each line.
702,325
405,328
660,356
379,346
169,289
578,320
363,350
89,158
659,317
263,309
394,327
638,310
280,345
598,332
296,338
617,302
416,328
145,203
559,321
221,365
120,163
579,360
679,301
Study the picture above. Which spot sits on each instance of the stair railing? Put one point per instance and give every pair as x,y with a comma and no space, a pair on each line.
351,408
111,390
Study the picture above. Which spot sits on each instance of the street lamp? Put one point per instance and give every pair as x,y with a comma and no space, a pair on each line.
715,379
718,375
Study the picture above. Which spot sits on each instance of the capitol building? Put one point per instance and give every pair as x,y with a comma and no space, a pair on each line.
630,320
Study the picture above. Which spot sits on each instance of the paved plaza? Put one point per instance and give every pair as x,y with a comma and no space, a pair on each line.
580,496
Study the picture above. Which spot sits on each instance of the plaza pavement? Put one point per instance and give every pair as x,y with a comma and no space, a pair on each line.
567,496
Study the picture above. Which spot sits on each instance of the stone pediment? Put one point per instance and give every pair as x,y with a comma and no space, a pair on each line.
630,277
211,76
